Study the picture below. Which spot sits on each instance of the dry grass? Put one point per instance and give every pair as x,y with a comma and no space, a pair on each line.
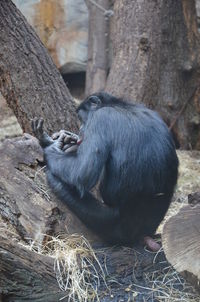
163,284
167,285
77,269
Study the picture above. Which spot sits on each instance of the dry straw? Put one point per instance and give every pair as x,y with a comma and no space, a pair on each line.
77,269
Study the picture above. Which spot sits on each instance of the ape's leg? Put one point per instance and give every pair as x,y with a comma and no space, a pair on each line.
155,214
103,220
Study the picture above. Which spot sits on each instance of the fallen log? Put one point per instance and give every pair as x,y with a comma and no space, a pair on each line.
181,241
25,275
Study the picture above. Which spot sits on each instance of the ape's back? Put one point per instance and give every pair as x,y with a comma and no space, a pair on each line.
142,156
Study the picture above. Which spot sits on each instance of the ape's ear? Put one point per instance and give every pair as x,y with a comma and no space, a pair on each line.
95,102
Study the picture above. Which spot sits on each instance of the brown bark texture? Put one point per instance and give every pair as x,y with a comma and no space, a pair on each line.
26,275
29,80
156,59
181,242
97,65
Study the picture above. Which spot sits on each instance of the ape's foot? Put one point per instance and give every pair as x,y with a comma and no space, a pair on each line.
151,244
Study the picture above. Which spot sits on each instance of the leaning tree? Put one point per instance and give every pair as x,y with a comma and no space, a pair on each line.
29,80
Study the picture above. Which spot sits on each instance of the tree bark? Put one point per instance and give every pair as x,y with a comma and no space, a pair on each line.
29,80
181,242
156,59
26,275
97,65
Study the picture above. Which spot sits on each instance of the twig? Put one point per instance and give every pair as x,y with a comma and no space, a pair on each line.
182,109
107,13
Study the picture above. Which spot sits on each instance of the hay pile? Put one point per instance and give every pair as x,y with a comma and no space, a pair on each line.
77,269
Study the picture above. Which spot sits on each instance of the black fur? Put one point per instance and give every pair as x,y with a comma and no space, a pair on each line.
129,149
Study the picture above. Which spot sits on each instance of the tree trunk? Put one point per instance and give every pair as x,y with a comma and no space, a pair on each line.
156,56
181,242
97,65
29,80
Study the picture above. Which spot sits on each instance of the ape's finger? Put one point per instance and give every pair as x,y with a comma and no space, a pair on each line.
55,135
60,141
67,139
37,124
72,149
61,138
32,125
66,146
73,142
40,125
72,135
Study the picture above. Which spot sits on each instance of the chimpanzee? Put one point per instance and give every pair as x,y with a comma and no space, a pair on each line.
129,150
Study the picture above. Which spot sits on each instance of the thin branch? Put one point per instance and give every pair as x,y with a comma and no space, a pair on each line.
107,13
182,109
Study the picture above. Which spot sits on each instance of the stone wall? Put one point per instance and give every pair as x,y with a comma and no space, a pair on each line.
62,25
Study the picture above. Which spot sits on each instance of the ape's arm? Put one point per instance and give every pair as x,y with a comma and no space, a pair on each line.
82,169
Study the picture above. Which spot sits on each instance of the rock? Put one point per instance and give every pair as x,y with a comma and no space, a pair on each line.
63,28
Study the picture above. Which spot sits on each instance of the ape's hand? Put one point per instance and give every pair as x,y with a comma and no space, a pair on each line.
69,136
37,127
66,141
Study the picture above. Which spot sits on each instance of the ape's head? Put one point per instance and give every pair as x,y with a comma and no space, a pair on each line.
93,103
